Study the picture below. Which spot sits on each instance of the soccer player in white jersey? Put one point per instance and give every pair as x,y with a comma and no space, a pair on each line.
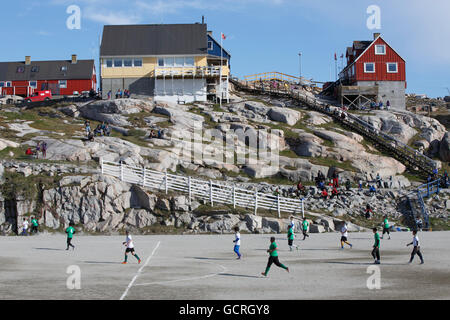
130,248
344,236
237,242
416,249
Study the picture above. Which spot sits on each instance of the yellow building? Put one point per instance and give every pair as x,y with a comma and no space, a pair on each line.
179,63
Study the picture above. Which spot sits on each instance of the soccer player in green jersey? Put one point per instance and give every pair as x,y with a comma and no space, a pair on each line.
34,225
376,246
273,257
305,225
291,236
385,227
70,231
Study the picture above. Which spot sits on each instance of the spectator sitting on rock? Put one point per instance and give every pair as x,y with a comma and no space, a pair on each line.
321,185
378,179
159,134
90,136
30,152
360,185
335,180
324,194
98,130
87,127
368,211
372,189
348,185
300,188
107,130
334,193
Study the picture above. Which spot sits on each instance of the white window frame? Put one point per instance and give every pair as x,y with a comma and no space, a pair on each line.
34,87
2,84
139,59
189,65
210,47
396,67
61,86
106,63
365,67
123,63
8,84
384,49
114,63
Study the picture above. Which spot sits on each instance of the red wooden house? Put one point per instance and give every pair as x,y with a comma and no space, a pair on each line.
375,72
62,77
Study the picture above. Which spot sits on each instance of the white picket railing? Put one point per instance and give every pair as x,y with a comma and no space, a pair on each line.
199,189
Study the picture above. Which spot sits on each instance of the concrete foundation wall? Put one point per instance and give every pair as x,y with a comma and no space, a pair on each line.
136,86
187,91
394,91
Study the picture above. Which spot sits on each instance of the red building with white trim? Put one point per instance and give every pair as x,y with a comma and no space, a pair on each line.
62,77
374,72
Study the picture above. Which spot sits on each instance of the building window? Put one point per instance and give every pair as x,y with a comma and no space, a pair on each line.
210,45
64,68
189,62
20,70
138,62
109,63
128,63
380,49
369,67
33,84
118,63
179,62
169,62
2,84
392,67
161,62
62,84
34,69
8,84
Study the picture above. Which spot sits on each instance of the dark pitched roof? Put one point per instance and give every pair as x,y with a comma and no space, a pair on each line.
156,39
361,45
47,70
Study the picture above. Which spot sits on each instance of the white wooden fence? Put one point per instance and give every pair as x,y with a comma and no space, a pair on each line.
199,189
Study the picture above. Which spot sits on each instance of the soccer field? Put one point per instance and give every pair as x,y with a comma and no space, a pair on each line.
198,267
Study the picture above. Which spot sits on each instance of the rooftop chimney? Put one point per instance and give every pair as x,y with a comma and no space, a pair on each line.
74,59
27,60
203,19
376,35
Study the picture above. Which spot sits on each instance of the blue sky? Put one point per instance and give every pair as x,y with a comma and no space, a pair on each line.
262,35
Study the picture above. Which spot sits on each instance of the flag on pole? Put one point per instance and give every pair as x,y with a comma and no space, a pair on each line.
335,56
224,37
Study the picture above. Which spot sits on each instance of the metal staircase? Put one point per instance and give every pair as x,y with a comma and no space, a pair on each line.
410,157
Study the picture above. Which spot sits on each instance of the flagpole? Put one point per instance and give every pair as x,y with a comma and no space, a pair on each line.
221,65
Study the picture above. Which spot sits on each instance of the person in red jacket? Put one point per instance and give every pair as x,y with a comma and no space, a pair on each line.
324,193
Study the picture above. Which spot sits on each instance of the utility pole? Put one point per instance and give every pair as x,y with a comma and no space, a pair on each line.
300,66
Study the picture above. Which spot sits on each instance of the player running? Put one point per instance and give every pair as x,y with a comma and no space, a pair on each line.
34,225
70,231
237,242
385,227
416,249
273,258
291,236
344,236
305,225
130,248
376,246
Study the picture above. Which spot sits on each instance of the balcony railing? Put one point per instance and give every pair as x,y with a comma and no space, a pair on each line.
187,72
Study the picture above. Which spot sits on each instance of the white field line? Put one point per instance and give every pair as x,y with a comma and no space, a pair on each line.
139,272
188,279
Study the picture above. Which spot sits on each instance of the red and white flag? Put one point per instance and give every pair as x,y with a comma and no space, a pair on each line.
224,37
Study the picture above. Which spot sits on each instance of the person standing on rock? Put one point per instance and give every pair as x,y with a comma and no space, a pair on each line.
344,236
416,249
385,228
291,237
44,149
305,225
70,231
237,242
130,248
376,246
273,257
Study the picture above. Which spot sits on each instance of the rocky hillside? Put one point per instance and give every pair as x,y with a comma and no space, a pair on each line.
307,142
